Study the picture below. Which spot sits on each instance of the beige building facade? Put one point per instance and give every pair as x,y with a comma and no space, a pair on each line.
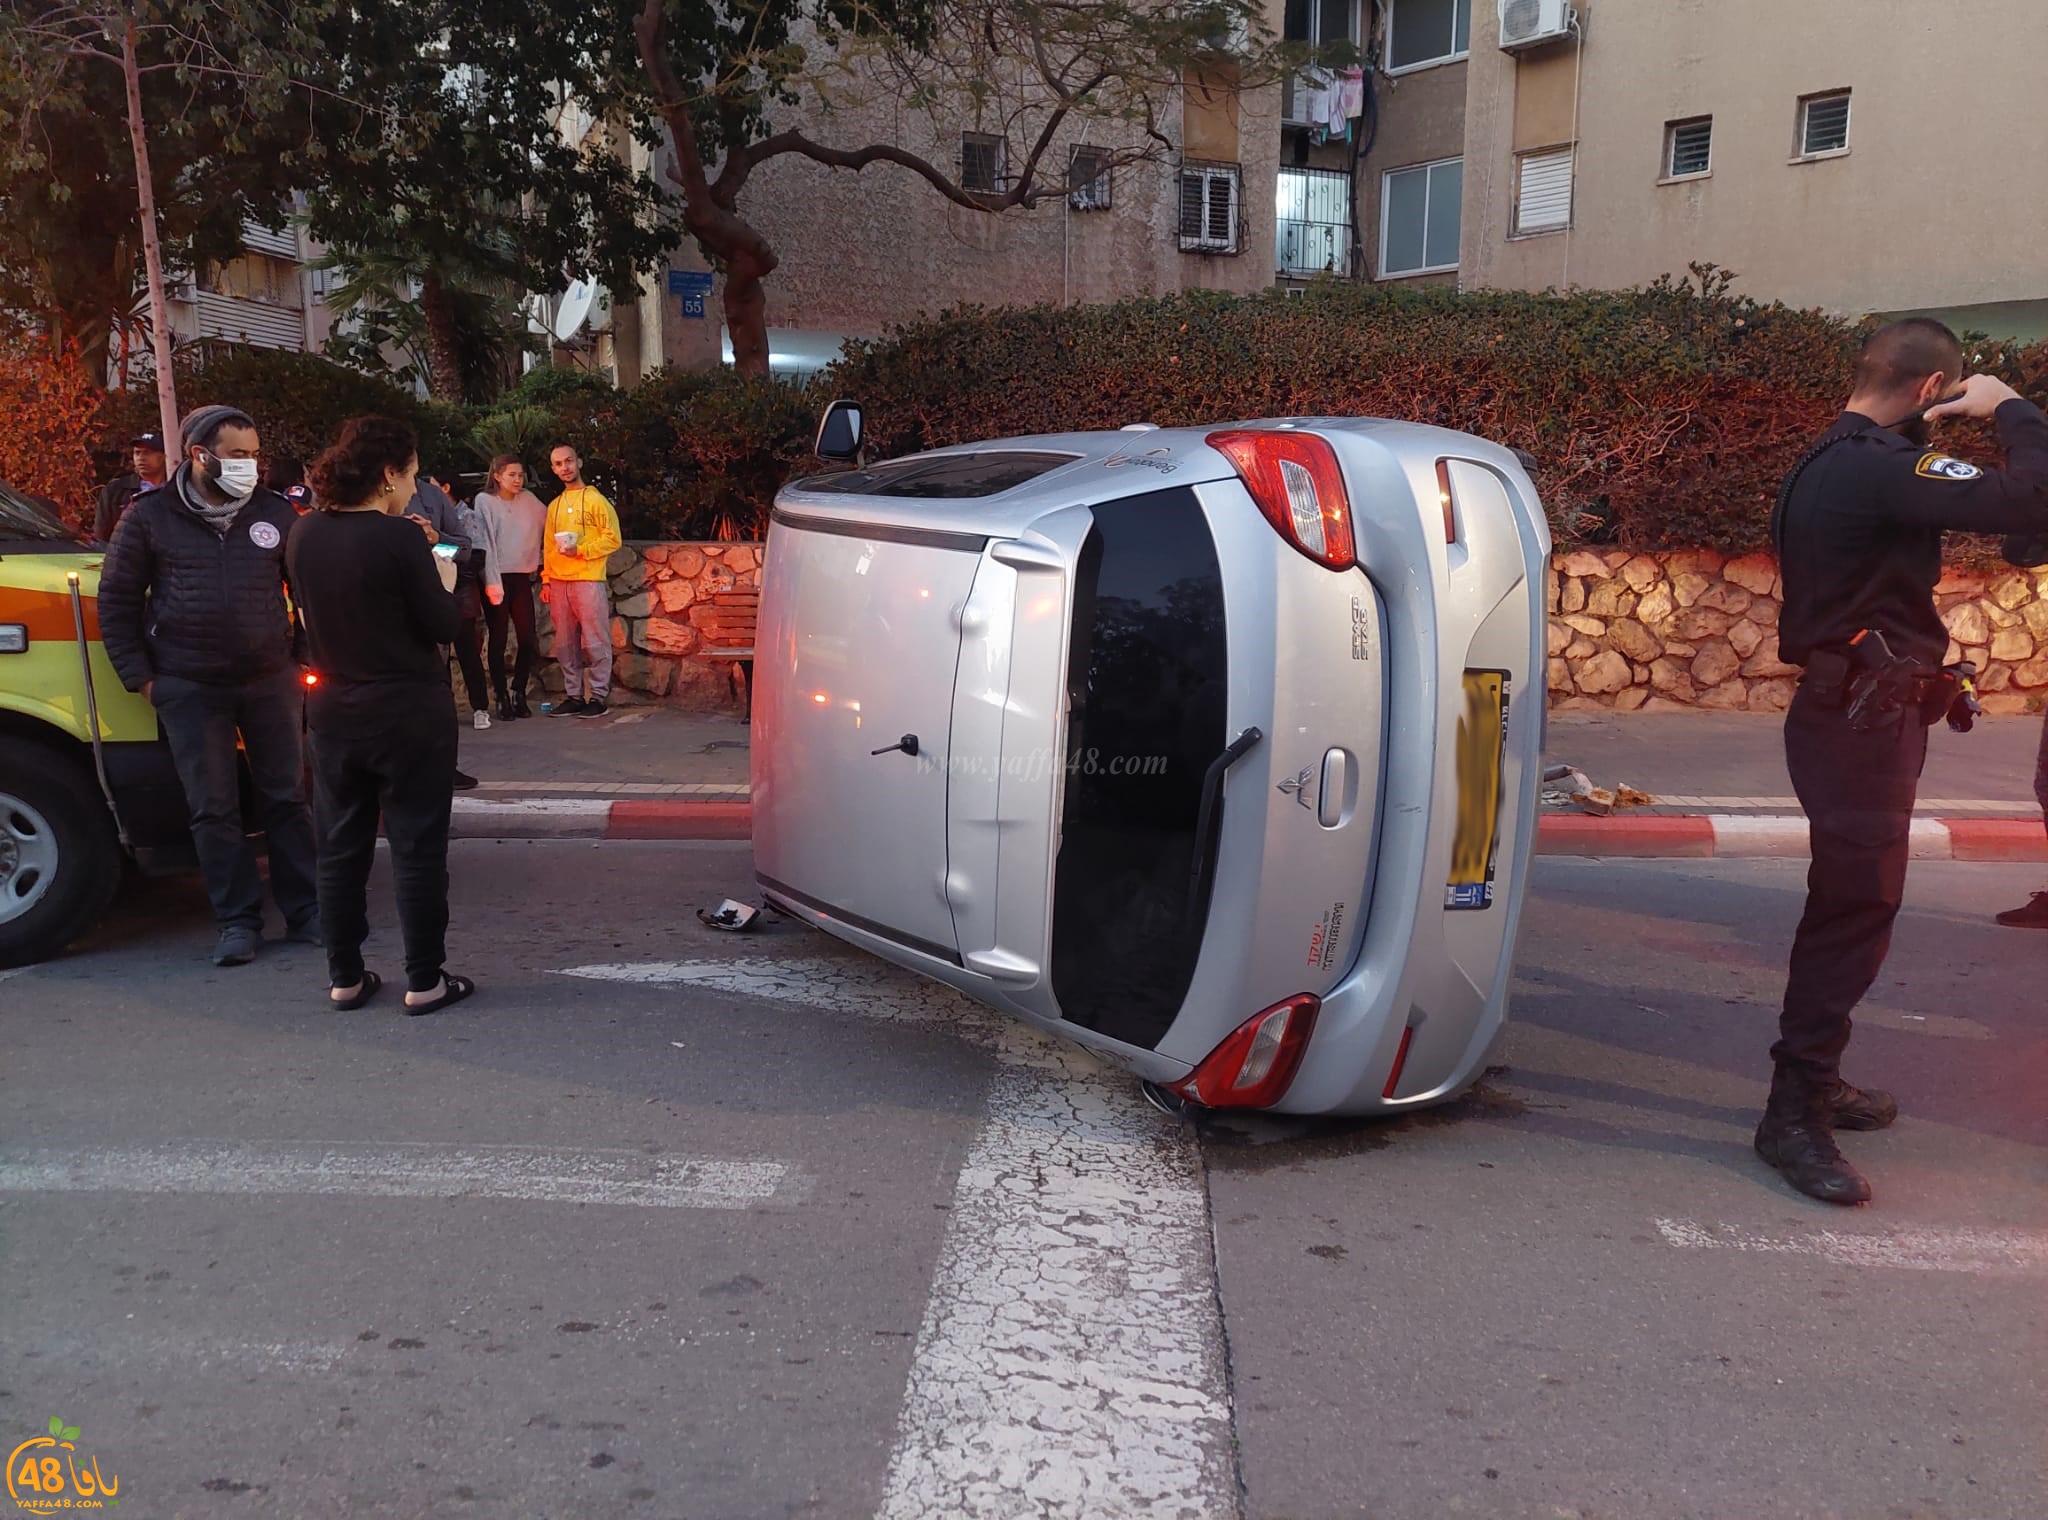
1881,158
1874,159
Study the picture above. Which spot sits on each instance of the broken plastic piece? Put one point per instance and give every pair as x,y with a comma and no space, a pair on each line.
735,916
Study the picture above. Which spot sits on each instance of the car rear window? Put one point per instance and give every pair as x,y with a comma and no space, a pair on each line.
946,477
1147,682
25,521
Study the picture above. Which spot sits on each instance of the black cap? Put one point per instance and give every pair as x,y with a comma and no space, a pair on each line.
147,441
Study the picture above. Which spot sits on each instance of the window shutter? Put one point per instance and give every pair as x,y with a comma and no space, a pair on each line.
1192,195
1543,191
1692,148
1827,124
1222,214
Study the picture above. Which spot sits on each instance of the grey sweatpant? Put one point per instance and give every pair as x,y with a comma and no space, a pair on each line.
583,636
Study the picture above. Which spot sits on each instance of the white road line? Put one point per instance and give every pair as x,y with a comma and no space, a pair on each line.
1983,1253
1070,1361
409,1171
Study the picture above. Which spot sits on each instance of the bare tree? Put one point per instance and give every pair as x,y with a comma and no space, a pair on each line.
737,86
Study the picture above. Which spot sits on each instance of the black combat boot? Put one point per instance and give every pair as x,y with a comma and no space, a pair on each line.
1862,1108
1797,1138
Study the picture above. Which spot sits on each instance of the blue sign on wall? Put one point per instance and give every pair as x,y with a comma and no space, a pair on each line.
692,285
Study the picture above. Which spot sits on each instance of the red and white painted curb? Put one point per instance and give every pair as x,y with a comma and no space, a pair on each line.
1691,836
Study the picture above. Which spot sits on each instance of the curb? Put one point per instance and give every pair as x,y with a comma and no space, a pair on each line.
1696,836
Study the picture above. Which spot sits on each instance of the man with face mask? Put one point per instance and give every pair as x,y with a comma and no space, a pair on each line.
194,611
1858,528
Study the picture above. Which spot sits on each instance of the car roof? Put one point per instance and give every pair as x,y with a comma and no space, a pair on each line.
1101,466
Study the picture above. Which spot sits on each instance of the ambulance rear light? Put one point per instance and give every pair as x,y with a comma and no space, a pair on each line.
13,638
1295,479
1255,1065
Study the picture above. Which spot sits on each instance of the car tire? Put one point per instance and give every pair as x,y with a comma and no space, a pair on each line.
60,858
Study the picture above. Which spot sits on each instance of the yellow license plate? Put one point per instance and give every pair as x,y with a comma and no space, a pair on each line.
1482,774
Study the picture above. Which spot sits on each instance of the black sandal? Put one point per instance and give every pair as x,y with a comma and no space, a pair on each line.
453,990
362,995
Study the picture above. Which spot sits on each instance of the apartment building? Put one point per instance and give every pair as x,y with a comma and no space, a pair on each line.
1878,161
1880,158
267,295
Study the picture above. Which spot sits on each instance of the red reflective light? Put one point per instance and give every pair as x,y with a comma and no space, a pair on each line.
1254,1067
1297,484
1450,504
1400,1060
312,678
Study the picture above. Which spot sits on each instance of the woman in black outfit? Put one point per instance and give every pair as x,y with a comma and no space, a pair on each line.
377,606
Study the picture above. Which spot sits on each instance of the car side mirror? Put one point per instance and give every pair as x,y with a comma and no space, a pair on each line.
839,433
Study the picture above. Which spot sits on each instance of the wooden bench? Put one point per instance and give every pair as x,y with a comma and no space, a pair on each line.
726,623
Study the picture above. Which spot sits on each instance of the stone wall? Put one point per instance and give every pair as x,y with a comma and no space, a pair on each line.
1648,632
1696,629
660,601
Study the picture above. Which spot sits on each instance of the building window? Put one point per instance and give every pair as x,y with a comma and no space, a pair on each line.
1318,23
1688,147
1422,32
1419,218
1543,191
256,277
1823,123
1088,180
1314,222
1208,207
981,161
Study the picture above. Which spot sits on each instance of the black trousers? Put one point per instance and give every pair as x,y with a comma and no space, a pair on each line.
468,655
515,612
201,724
1858,790
384,750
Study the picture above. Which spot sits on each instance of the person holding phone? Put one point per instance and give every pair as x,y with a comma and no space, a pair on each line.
581,533
511,522
378,605
1858,529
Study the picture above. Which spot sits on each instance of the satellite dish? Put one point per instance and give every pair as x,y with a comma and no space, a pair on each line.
572,308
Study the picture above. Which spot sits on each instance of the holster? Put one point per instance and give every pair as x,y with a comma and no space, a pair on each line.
1826,680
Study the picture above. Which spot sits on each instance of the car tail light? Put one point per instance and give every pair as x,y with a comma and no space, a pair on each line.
1296,482
1255,1065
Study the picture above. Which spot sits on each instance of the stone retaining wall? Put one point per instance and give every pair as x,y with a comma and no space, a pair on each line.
1649,632
660,600
1664,632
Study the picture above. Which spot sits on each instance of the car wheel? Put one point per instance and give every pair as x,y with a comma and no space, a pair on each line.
60,859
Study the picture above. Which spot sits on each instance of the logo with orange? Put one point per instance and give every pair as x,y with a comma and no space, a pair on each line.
49,1473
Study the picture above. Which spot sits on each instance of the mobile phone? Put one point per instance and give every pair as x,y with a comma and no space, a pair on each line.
446,551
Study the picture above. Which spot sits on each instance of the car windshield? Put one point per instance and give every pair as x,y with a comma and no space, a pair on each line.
25,521
1145,718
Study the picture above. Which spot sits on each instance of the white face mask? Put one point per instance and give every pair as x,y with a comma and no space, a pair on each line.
237,478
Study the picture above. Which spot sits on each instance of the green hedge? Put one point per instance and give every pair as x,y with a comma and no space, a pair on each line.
1660,418
299,402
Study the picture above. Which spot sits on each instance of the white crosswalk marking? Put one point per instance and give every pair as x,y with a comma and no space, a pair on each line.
1070,1361
409,1171
1984,1253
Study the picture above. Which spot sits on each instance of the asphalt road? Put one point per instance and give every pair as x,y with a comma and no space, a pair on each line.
667,1223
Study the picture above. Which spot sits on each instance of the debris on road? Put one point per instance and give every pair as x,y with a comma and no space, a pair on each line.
1578,791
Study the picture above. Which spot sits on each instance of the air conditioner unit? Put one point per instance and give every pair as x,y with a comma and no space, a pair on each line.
1529,23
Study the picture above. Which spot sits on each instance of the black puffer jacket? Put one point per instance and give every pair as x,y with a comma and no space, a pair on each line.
178,599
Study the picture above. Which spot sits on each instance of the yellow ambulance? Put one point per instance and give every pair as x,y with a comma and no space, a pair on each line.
86,781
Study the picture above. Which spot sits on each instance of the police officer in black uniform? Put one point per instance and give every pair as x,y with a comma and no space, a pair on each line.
1859,529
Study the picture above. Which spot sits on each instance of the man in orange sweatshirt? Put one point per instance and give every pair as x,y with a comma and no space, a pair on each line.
581,533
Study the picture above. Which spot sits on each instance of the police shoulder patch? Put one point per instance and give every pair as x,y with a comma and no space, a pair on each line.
1943,467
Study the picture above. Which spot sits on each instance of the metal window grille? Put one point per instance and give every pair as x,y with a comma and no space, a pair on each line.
1088,180
1209,208
1314,222
1825,124
981,161
1691,148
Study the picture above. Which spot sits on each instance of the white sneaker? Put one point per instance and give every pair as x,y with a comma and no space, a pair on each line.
480,719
